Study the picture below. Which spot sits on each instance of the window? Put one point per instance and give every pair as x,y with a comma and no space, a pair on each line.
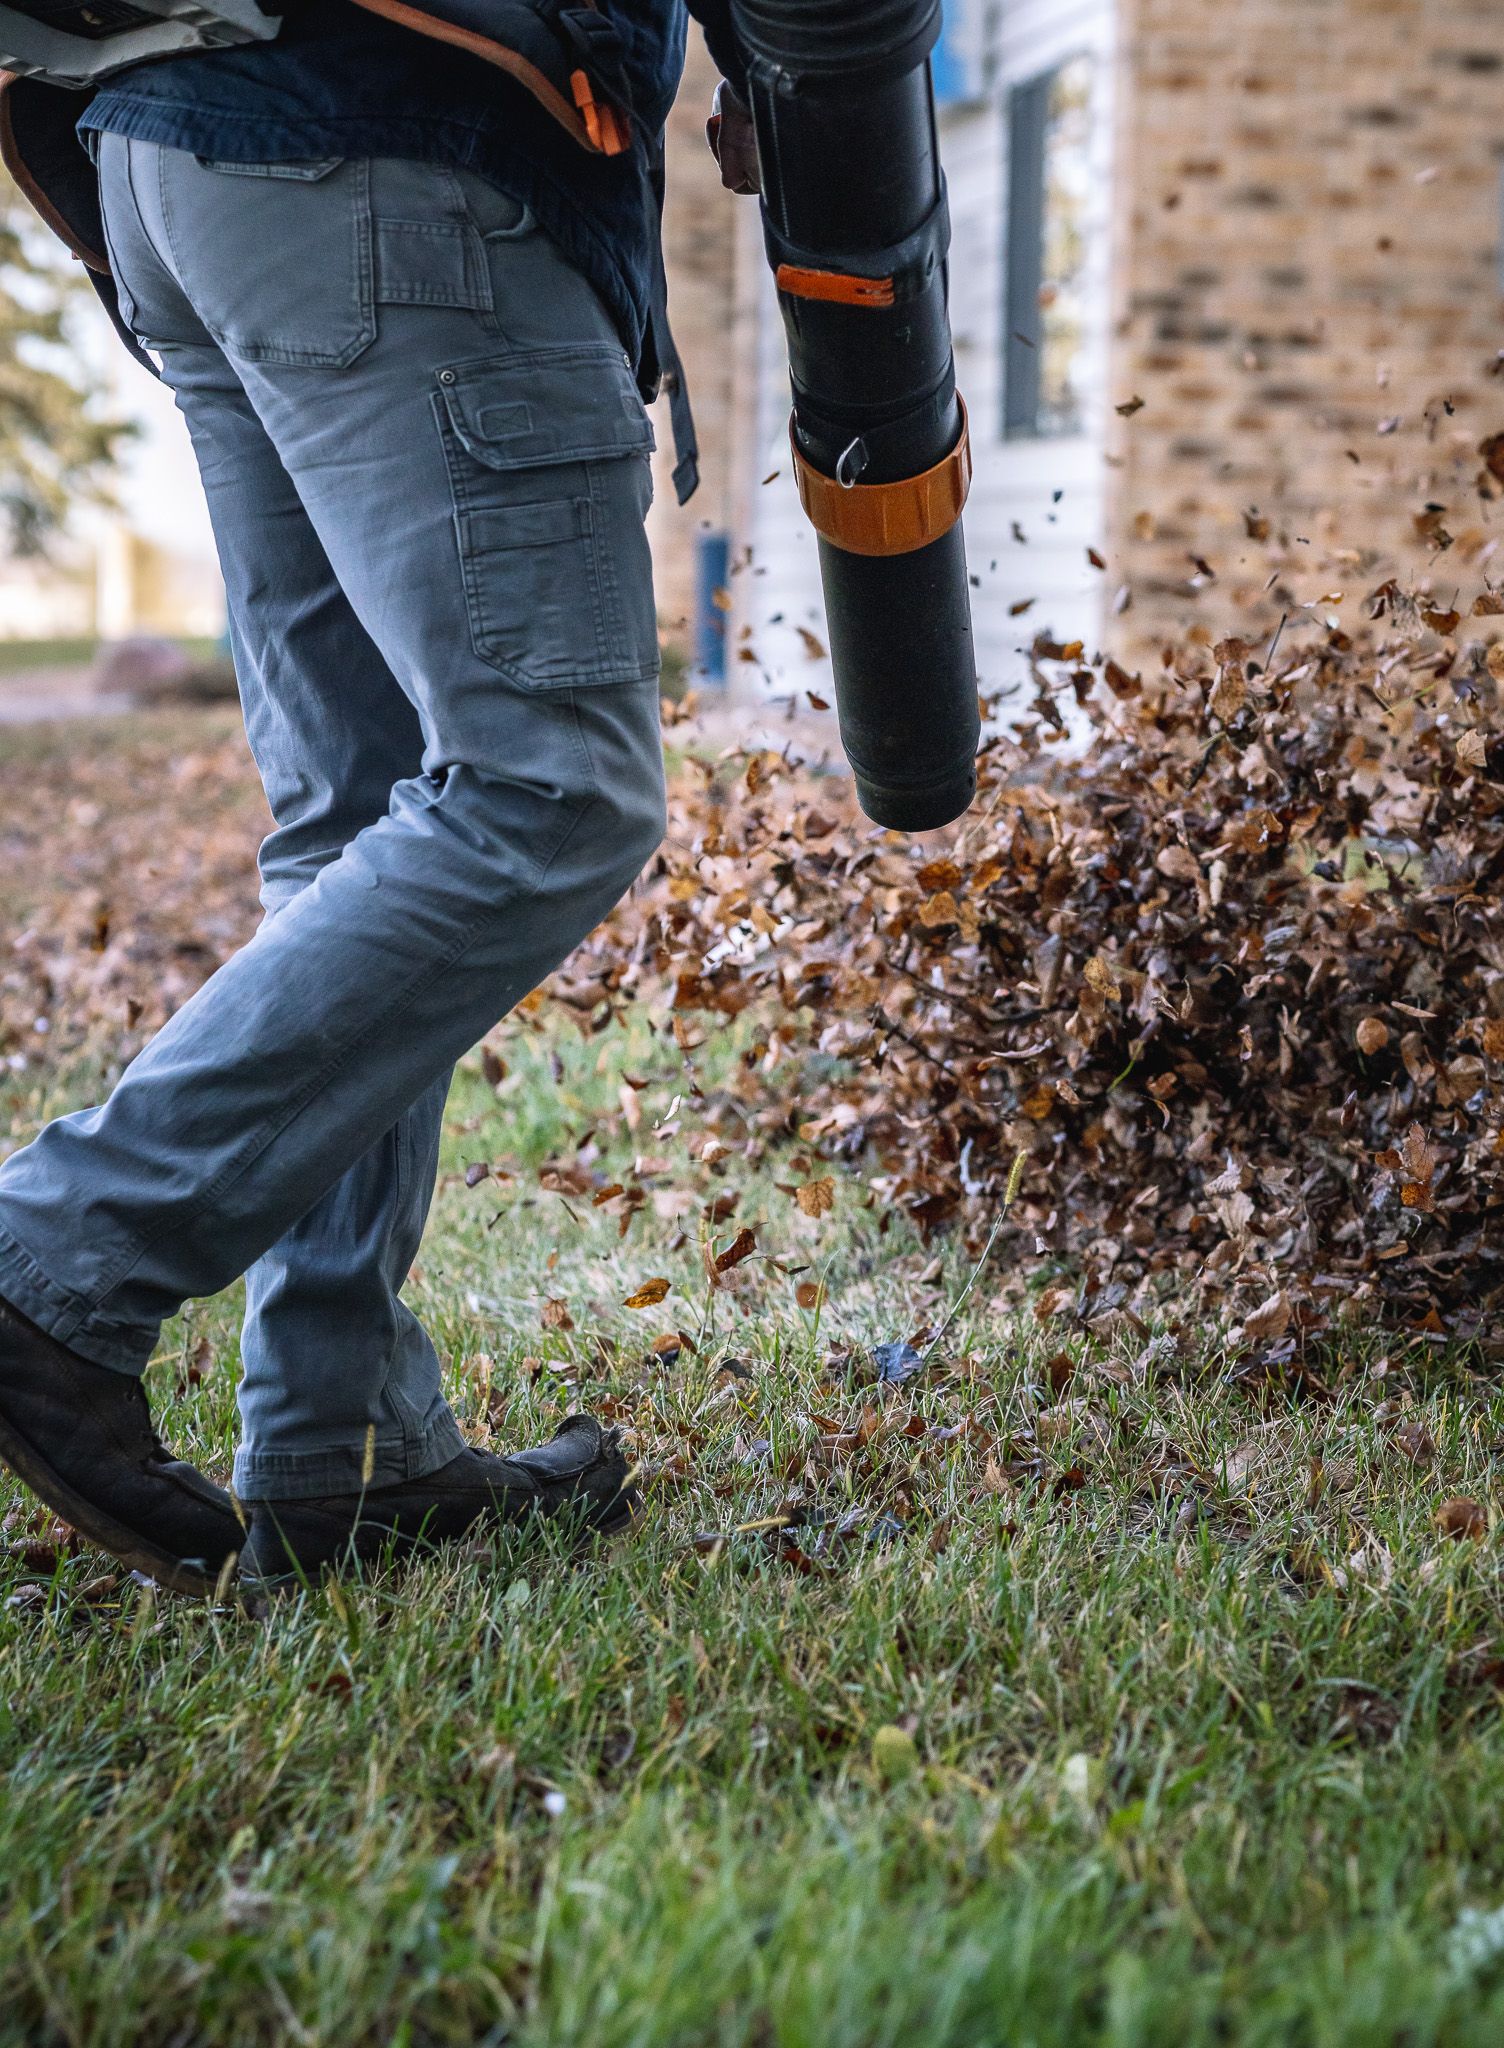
1049,169
953,63
948,65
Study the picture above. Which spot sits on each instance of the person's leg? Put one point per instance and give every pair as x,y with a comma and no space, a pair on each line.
480,496
332,732
329,1290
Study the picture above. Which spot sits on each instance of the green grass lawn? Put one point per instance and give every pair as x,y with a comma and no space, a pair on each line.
25,656
1089,1693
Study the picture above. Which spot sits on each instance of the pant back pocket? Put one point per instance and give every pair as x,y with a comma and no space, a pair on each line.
276,258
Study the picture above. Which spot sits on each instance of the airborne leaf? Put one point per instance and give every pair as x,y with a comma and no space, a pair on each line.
649,1294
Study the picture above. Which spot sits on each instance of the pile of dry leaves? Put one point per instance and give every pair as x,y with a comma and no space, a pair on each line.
1231,973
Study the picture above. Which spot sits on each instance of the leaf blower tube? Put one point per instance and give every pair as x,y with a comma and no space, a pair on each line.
857,231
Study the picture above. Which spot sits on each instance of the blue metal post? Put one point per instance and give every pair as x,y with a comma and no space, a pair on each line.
712,570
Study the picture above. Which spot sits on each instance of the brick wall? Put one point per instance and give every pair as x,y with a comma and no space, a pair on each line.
699,244
1308,304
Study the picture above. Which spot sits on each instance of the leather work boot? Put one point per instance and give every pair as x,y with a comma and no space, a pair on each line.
80,1436
580,1472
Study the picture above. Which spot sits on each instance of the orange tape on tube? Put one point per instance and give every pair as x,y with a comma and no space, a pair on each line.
835,287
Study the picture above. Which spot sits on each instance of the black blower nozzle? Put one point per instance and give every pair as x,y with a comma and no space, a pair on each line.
857,231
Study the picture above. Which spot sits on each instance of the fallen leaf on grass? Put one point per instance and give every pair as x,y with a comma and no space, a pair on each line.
1415,1441
1060,1369
1269,1321
896,1362
995,1477
895,1754
1070,1418
1462,1517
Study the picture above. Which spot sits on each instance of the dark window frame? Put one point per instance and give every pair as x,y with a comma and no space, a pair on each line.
1029,411
1028,124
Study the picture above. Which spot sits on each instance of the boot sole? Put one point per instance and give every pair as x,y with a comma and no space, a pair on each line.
93,1523
621,1514
404,1549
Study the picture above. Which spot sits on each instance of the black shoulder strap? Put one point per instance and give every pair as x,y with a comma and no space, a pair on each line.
662,368
595,46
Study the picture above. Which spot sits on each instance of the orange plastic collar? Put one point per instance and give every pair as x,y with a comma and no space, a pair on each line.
888,519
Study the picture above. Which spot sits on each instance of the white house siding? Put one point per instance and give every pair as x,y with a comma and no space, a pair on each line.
775,573
776,580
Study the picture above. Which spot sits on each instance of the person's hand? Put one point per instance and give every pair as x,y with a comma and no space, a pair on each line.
732,141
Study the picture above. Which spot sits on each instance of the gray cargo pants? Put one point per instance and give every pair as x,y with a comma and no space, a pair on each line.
427,467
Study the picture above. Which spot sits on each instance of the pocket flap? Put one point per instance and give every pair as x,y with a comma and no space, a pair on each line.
550,405
303,171
492,529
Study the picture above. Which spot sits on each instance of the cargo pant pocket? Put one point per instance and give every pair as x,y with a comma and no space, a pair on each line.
429,252
548,452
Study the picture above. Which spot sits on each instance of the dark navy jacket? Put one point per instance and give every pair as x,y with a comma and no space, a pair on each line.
338,81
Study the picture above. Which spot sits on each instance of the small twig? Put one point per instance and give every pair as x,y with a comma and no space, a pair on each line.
975,824
881,1018
1015,1177
1206,759
945,995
